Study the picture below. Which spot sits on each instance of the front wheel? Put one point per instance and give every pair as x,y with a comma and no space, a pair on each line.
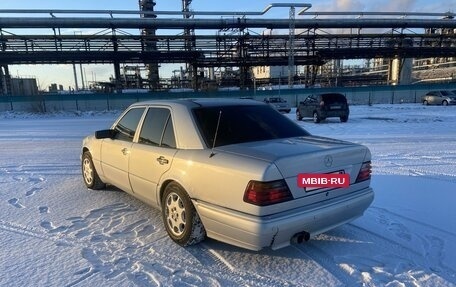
89,174
425,103
316,118
298,115
445,103
181,220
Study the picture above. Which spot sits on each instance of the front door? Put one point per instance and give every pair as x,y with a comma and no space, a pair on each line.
115,152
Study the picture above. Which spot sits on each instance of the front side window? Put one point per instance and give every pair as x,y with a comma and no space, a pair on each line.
312,99
126,127
158,129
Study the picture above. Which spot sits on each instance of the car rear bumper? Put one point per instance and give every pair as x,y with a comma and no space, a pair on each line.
333,113
277,231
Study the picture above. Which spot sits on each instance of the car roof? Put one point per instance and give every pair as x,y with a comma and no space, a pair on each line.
200,102
330,94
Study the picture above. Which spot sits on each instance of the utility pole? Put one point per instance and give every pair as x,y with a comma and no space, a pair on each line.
291,48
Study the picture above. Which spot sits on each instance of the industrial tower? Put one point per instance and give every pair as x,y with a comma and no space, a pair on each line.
150,44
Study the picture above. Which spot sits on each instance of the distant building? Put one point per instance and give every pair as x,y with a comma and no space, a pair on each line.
270,72
24,87
53,88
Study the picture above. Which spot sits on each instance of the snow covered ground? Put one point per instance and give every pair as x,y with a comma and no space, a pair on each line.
55,232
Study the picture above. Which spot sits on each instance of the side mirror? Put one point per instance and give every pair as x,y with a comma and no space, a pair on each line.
105,134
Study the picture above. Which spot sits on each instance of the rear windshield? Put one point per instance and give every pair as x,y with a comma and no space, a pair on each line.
277,100
240,124
334,98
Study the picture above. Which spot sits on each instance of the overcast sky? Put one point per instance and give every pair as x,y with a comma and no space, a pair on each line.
62,74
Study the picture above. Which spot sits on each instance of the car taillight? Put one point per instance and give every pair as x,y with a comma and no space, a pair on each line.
364,172
267,193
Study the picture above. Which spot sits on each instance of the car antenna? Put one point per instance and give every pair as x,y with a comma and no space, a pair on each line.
216,133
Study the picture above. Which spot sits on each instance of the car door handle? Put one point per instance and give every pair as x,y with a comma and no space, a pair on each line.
162,160
125,151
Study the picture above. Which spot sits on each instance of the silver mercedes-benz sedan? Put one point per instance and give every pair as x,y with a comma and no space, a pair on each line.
236,171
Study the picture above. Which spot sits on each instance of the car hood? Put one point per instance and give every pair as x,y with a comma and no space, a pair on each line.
302,154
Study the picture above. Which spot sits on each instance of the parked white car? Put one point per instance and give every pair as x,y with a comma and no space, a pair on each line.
444,98
228,170
278,103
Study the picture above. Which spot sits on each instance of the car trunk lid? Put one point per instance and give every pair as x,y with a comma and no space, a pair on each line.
305,155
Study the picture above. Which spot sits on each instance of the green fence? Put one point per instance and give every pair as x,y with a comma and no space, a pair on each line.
118,101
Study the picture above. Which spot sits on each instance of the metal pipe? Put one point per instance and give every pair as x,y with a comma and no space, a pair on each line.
53,12
364,13
226,13
133,23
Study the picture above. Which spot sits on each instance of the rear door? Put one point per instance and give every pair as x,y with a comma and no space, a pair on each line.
115,152
152,154
309,106
433,98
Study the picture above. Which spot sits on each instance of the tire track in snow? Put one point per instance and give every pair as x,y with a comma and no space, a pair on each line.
325,260
413,167
208,256
387,264
383,211
396,257
94,248
433,246
112,258
32,232
113,247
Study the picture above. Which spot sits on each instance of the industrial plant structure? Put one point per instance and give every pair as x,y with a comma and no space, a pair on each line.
245,49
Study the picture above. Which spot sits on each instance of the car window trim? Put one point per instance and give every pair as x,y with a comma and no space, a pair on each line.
137,126
143,118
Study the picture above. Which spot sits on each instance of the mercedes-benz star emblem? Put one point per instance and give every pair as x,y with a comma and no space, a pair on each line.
328,161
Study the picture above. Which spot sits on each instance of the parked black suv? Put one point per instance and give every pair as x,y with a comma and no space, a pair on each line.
323,106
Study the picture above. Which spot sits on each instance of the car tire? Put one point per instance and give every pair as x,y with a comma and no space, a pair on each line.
426,103
344,119
181,220
445,103
89,173
316,118
298,115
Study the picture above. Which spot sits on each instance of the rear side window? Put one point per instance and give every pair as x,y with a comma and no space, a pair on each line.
126,127
240,124
158,129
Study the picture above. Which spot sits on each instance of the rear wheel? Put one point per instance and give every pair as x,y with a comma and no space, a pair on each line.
181,220
445,103
89,174
316,118
344,119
